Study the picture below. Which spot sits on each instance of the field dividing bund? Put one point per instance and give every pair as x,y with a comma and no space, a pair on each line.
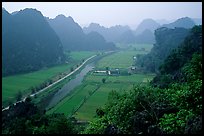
93,93
69,104
98,99
82,103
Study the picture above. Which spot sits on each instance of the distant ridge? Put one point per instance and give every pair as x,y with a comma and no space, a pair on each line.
184,22
74,39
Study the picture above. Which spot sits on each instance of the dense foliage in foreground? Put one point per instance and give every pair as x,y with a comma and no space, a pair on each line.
172,106
147,109
26,118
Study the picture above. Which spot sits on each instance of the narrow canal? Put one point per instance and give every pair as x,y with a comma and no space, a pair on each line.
68,87
65,90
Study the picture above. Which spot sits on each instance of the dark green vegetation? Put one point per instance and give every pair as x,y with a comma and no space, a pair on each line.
166,40
174,67
73,37
28,43
26,118
175,109
117,100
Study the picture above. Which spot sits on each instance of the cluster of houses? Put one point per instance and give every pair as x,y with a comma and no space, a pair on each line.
116,71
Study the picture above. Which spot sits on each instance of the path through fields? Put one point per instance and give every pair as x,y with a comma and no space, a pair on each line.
54,82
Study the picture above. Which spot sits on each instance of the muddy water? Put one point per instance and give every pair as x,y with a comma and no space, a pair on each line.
65,90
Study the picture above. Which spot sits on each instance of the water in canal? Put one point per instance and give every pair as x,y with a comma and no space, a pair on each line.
70,85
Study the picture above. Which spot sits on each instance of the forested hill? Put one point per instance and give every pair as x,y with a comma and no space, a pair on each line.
73,37
184,22
28,42
172,69
172,109
167,39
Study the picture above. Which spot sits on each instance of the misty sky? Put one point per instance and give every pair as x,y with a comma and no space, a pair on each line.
112,13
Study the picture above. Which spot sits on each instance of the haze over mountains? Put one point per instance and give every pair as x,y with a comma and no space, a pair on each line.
73,37
149,24
39,41
144,33
31,42
185,22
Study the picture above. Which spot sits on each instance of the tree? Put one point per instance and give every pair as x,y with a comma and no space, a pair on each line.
59,124
99,112
33,89
71,69
27,118
19,96
103,80
50,81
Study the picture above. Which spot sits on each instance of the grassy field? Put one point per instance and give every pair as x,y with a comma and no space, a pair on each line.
72,101
98,99
11,85
79,55
124,58
83,101
93,82
86,98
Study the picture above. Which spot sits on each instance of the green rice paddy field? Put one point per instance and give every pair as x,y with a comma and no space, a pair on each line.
94,83
83,101
123,59
92,94
11,85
